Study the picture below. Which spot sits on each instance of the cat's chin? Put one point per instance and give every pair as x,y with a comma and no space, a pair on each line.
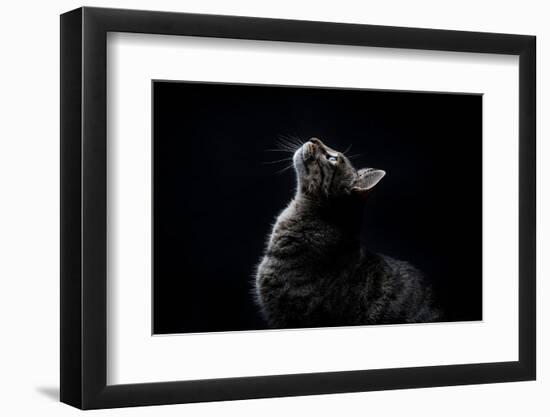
299,164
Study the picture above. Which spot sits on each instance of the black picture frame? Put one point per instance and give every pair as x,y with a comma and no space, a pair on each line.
83,207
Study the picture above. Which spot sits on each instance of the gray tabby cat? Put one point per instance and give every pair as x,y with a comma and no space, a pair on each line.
315,272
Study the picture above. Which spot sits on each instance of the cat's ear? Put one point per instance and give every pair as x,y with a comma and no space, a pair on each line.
367,179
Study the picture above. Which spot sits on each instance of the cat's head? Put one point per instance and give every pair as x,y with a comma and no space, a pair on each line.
324,173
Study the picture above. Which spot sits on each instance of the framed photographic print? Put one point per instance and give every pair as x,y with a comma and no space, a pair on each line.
257,207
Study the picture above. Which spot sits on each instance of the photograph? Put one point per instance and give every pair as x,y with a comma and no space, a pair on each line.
296,207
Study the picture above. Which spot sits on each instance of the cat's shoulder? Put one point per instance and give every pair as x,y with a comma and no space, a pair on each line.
401,267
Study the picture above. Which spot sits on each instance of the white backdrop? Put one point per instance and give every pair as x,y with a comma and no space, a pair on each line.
29,223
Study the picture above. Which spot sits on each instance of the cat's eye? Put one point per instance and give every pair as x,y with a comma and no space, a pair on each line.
332,158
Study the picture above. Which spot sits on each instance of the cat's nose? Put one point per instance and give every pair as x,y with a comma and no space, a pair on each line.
316,141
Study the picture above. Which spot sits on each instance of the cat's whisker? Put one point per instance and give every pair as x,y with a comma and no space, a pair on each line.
276,162
296,141
290,142
289,150
284,169
278,150
287,145
348,148
288,138
354,156
284,140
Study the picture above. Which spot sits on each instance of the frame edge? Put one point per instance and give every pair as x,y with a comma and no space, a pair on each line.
70,216
527,208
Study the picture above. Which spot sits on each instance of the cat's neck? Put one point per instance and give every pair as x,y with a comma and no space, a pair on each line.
334,225
344,214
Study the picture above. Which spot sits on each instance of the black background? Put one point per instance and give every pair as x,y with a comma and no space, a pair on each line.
215,198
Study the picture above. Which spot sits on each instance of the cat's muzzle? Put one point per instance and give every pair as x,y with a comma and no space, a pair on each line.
309,151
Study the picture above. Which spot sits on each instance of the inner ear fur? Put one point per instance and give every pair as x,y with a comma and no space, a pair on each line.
367,179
